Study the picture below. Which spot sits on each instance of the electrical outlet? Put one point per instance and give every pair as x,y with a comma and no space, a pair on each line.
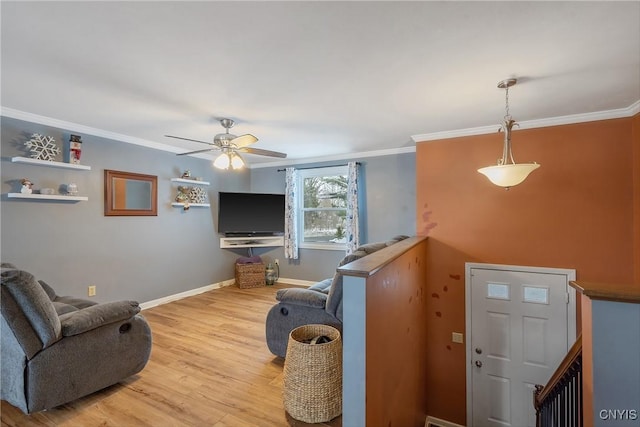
277,261
91,291
457,337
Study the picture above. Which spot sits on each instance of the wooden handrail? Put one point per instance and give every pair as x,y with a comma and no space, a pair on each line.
542,392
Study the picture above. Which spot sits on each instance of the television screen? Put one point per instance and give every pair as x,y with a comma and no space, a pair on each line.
250,214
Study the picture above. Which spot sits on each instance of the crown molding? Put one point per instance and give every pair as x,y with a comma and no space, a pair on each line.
483,130
335,157
631,110
62,124
88,130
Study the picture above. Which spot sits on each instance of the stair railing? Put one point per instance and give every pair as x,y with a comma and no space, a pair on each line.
559,403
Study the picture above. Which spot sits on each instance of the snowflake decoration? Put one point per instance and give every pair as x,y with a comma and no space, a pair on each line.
42,147
197,195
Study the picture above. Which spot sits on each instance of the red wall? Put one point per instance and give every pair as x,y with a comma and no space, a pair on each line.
576,211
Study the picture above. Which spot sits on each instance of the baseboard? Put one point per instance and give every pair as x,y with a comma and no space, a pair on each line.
192,292
437,422
185,294
296,282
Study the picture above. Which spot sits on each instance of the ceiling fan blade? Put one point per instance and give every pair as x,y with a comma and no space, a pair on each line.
262,152
197,151
244,140
188,139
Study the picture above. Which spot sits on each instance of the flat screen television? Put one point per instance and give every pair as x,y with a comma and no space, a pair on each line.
250,214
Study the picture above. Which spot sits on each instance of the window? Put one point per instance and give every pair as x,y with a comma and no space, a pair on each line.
322,207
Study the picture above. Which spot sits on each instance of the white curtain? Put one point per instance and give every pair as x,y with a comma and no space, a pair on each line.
291,215
352,223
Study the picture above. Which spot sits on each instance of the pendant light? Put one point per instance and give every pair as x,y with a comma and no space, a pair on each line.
507,172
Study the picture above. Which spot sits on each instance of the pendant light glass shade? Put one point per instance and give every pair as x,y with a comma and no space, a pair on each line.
229,158
507,172
222,162
236,161
508,175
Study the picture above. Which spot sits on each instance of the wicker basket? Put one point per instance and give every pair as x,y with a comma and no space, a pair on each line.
250,275
313,375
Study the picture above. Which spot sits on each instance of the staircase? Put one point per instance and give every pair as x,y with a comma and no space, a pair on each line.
559,403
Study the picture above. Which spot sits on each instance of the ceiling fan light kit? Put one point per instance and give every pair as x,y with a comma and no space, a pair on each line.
507,173
231,147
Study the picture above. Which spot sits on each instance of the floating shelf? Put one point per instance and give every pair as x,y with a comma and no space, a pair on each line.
251,242
189,181
47,197
196,205
48,163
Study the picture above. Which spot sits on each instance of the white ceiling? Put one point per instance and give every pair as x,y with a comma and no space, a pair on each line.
314,79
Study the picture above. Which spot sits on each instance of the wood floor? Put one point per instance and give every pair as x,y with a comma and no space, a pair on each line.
209,366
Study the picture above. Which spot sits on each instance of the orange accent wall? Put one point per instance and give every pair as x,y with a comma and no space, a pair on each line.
575,211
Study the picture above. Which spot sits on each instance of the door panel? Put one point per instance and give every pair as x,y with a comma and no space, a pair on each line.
519,335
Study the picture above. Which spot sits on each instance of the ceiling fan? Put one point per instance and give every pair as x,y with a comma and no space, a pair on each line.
231,147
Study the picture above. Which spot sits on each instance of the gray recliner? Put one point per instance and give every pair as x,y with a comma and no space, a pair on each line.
57,349
320,303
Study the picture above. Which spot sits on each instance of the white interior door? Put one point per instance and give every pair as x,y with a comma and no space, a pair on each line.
518,331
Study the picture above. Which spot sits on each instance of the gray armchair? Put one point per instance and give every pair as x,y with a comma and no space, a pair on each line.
58,349
320,303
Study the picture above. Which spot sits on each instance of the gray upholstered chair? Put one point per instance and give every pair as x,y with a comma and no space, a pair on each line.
320,303
58,349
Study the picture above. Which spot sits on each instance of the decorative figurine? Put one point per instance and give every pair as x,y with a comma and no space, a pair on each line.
75,149
183,196
186,174
72,189
26,186
270,275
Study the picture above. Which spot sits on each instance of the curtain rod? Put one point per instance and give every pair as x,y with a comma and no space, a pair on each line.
318,167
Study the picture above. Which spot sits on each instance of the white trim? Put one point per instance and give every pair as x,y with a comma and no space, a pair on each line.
62,124
631,110
197,291
530,124
296,282
335,157
185,294
438,422
571,312
323,246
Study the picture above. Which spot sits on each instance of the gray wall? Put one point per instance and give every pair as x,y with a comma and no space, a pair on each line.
616,363
388,209
73,245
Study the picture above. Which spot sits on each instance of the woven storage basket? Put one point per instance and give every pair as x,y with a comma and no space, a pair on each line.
250,275
313,375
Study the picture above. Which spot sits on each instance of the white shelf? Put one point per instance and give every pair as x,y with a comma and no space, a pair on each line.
47,197
197,205
251,242
189,181
50,164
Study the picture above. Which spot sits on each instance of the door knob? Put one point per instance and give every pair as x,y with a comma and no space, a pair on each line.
478,364
479,350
